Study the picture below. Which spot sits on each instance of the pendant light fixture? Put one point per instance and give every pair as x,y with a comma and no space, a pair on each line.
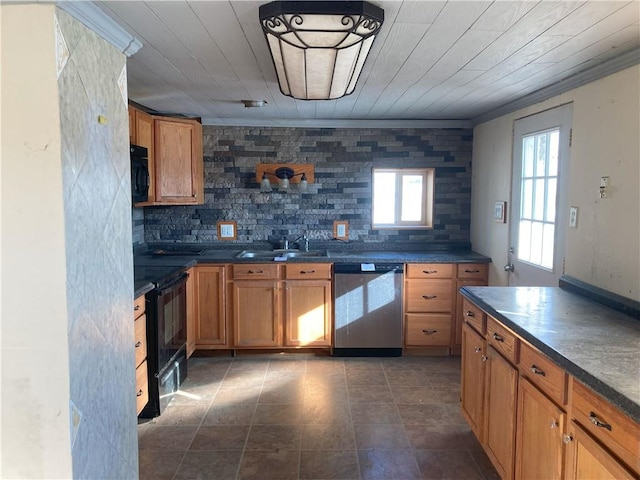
319,48
284,175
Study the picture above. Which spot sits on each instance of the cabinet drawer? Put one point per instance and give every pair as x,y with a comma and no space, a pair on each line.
428,295
429,270
142,386
543,373
427,330
255,270
472,270
502,339
607,424
306,271
139,305
140,326
474,316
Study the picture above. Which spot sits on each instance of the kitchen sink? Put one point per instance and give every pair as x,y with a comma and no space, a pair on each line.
266,254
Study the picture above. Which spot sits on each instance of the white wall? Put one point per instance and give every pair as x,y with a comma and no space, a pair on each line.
605,248
35,363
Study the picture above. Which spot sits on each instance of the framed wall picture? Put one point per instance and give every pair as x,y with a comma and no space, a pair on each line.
227,230
341,229
500,212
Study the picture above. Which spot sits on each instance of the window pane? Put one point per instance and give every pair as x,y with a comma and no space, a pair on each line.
541,159
527,156
554,148
411,198
538,200
384,197
547,245
551,200
527,196
536,243
524,241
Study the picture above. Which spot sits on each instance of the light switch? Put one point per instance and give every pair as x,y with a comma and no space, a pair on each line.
573,217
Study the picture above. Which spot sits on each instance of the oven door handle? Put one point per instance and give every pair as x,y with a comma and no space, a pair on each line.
162,289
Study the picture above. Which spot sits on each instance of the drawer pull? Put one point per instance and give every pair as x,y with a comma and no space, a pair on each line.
537,371
429,332
429,297
566,439
136,308
484,358
138,344
472,271
139,394
469,313
255,271
498,338
477,349
307,271
596,421
429,272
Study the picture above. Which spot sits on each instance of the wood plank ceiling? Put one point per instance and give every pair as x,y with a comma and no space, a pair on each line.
432,59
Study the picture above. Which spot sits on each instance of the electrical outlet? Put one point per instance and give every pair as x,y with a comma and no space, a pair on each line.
573,217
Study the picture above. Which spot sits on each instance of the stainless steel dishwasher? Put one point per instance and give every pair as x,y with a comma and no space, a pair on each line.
368,309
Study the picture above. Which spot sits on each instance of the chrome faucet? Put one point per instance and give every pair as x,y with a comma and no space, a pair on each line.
305,246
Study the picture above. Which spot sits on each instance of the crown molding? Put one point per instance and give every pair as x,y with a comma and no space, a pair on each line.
334,123
609,67
101,23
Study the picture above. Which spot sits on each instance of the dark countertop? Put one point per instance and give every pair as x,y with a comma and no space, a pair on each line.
145,276
596,344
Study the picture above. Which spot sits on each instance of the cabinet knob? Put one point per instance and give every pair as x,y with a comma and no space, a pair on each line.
138,344
139,394
596,421
498,338
477,349
469,313
429,297
429,332
537,371
553,424
484,358
566,439
136,308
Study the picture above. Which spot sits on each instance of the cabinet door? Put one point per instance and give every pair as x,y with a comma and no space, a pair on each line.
178,161
307,313
191,312
500,412
132,125
144,138
473,372
210,322
587,459
256,314
539,435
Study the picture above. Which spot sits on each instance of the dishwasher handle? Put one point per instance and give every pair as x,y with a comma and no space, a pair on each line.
367,268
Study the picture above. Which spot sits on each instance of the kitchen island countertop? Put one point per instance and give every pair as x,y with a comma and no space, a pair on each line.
598,345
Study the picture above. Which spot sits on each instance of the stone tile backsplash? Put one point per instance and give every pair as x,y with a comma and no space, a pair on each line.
343,159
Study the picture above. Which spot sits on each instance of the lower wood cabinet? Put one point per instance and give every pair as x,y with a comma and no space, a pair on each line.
500,412
140,346
533,419
256,313
209,319
540,428
473,369
588,459
307,313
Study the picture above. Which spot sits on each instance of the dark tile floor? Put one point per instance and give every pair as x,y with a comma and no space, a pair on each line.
305,417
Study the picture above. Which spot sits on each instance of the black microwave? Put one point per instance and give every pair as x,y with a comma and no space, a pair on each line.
139,174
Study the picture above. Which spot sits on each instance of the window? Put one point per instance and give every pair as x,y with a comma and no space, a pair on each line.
403,198
536,236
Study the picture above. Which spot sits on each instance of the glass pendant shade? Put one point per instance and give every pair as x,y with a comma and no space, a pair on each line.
265,184
304,185
284,184
319,48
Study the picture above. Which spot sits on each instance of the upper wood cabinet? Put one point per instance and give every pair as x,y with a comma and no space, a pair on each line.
175,157
178,166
